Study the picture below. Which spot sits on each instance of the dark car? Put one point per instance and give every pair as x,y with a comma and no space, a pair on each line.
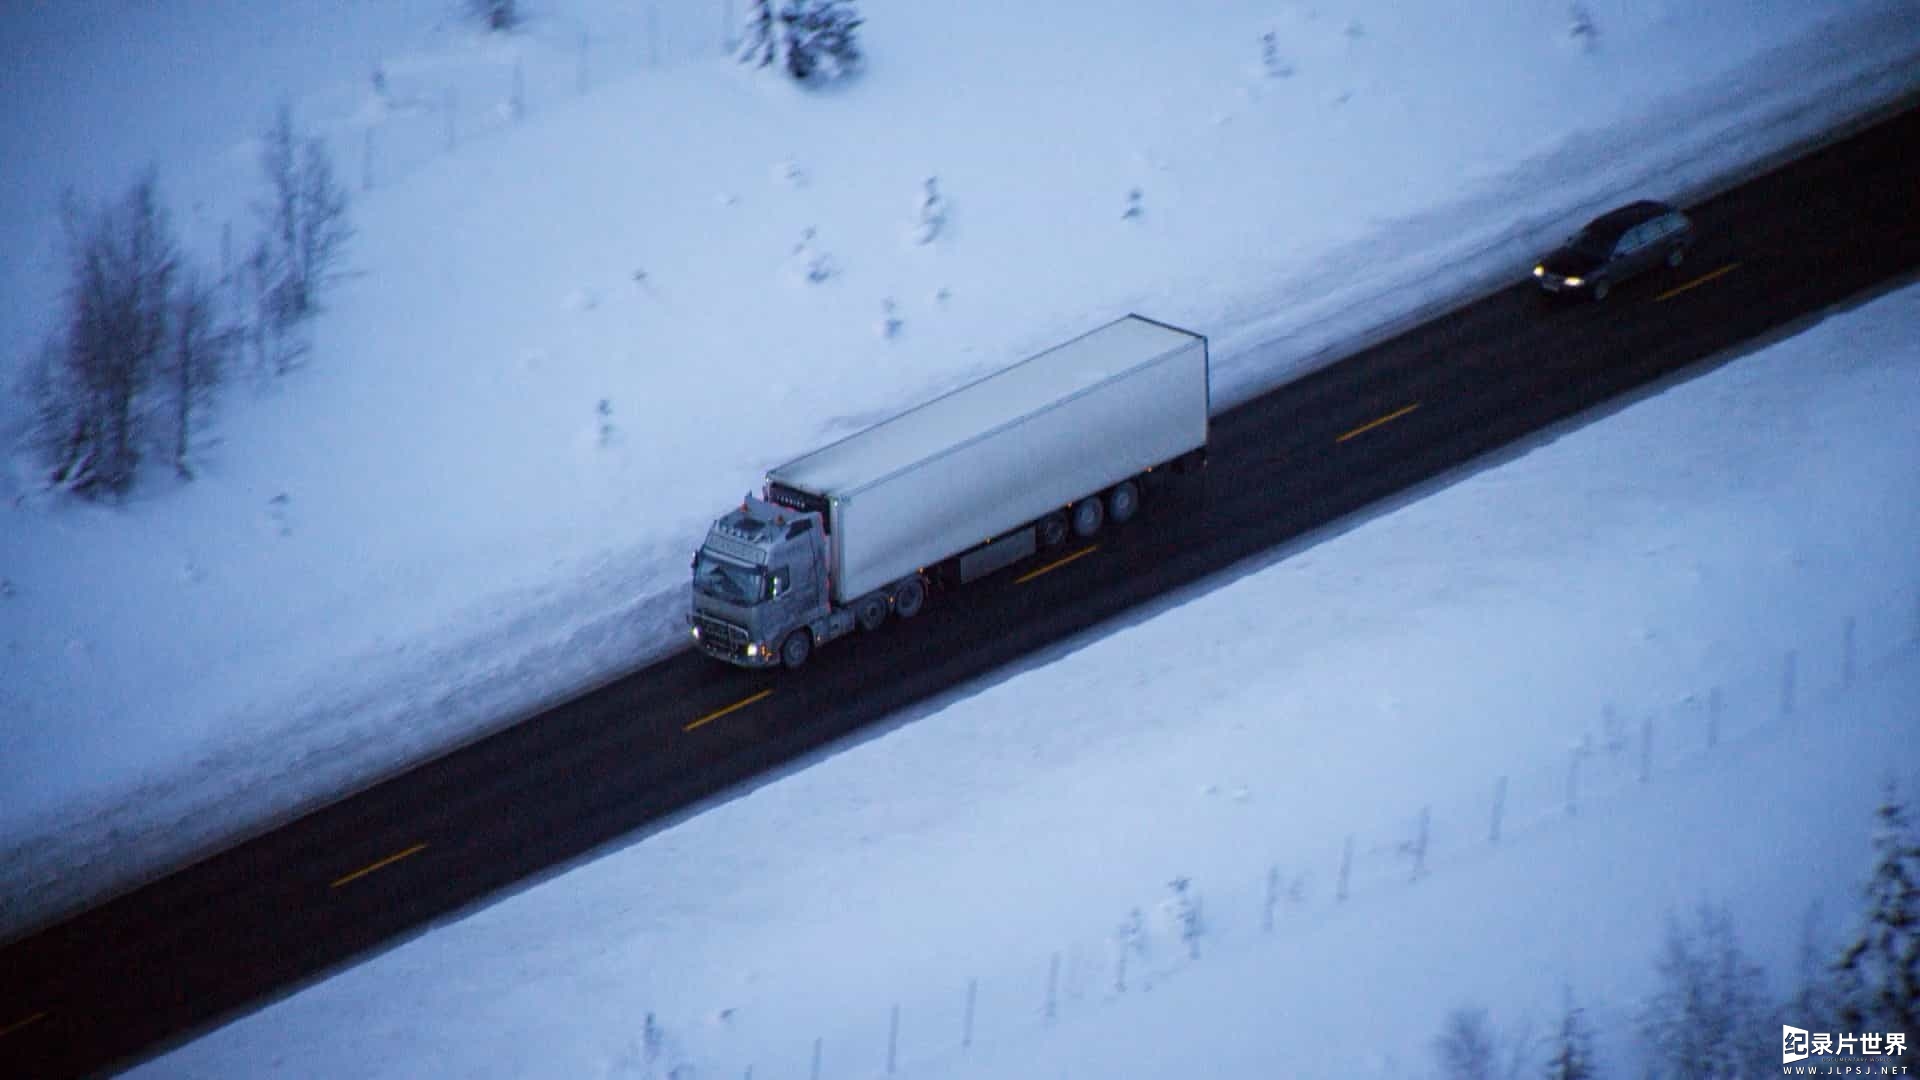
1616,246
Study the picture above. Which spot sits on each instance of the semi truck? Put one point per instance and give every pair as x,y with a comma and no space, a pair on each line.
1061,444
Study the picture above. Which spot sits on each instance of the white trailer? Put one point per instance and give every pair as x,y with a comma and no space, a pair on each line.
977,479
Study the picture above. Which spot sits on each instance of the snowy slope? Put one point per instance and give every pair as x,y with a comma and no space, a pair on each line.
421,533
1545,612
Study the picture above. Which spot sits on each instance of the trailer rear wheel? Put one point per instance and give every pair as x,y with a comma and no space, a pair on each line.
1053,530
871,611
1088,516
797,648
1123,501
909,597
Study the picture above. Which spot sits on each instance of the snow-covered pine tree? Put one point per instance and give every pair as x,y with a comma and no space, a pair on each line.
821,37
796,22
496,14
304,228
94,373
273,337
279,513
1183,909
1464,1048
653,1043
1572,1045
1879,972
758,45
1709,1019
1580,25
932,215
808,263
195,363
604,413
1271,61
1814,1003
324,230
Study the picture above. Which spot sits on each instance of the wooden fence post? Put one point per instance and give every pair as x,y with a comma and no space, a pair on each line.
893,1038
966,1023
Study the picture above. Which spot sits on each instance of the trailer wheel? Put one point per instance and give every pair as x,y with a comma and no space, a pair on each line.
871,612
1088,516
1123,501
797,648
909,597
1053,530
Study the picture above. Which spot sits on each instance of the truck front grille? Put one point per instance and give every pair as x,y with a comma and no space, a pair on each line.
720,638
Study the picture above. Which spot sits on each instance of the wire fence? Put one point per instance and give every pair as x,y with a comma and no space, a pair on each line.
1755,703
414,112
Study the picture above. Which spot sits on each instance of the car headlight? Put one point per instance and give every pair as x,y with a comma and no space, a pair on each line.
1574,282
1539,271
753,650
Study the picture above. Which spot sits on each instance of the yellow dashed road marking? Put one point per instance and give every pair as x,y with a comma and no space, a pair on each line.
1701,280
1387,419
718,713
1055,565
388,861
18,1024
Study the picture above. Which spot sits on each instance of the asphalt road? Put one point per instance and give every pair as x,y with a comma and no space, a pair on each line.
157,966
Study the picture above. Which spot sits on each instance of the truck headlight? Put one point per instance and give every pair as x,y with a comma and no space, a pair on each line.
696,633
753,650
1539,271
1575,282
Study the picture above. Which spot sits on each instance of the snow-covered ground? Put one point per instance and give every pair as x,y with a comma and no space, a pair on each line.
421,533
1643,576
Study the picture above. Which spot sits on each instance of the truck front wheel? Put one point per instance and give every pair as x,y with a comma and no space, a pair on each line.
797,648
871,611
909,597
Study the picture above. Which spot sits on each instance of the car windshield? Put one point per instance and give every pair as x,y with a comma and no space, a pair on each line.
729,581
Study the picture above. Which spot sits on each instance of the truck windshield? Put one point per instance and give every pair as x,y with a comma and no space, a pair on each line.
729,581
